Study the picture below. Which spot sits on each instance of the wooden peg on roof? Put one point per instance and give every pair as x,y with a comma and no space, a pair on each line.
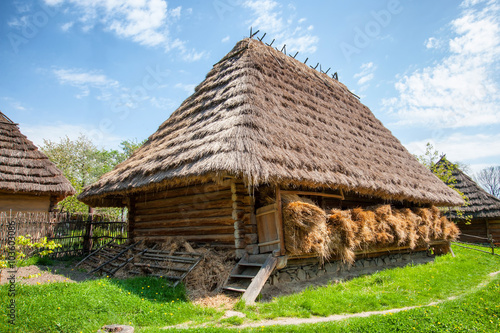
327,70
271,43
315,66
335,76
260,39
294,55
283,48
255,33
306,61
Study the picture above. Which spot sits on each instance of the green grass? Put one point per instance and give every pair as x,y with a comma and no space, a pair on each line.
478,311
87,306
146,303
395,288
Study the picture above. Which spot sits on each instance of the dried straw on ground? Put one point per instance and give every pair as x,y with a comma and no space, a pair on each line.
240,121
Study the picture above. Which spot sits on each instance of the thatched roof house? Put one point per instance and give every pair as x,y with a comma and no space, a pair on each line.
260,120
483,208
29,181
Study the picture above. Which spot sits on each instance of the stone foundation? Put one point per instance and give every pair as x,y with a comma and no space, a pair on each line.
307,272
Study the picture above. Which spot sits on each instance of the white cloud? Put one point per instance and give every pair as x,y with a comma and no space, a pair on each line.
225,39
267,15
146,22
37,133
461,147
163,103
191,56
85,80
67,26
16,105
462,89
365,75
189,88
432,43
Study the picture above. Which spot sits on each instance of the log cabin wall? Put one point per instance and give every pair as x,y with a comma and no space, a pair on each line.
477,227
201,213
494,230
245,223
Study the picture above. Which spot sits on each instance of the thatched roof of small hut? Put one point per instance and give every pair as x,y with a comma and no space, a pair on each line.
26,170
481,203
267,118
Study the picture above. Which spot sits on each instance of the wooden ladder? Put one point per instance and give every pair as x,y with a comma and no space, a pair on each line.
250,275
173,266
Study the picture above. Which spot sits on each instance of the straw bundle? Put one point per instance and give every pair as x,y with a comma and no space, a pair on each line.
304,227
342,234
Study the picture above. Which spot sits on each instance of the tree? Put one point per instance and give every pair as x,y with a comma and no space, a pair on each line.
489,179
443,169
82,163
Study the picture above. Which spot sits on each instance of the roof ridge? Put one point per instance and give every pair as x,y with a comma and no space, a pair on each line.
8,120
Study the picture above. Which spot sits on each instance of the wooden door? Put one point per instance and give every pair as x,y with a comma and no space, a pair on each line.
267,228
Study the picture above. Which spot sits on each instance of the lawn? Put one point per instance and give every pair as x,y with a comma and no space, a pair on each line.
149,304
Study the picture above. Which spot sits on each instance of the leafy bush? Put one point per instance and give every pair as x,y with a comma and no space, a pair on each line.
26,248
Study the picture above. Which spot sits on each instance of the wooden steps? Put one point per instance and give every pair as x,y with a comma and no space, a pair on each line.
250,274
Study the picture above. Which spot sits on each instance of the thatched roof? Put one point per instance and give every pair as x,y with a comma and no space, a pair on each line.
267,118
26,170
481,203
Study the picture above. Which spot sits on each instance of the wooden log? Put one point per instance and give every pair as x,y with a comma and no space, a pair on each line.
188,223
196,200
251,238
250,229
131,218
186,231
193,214
246,200
240,243
182,192
238,214
211,239
217,204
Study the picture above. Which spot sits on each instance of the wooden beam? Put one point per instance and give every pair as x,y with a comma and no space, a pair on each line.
279,224
319,194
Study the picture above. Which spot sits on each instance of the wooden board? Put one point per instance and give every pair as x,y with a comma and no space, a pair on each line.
267,228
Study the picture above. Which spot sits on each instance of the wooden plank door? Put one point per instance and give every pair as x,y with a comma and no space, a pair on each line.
267,228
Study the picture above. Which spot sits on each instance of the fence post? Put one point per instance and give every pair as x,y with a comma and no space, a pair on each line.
87,238
490,238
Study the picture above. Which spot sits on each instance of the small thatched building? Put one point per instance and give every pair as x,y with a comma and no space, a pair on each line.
261,124
29,181
483,209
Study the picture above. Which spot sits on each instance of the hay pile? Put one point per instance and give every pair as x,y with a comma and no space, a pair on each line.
308,229
305,227
208,278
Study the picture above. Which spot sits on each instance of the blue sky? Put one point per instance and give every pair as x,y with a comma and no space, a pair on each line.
115,70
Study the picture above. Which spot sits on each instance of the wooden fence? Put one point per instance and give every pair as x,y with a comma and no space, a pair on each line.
77,233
